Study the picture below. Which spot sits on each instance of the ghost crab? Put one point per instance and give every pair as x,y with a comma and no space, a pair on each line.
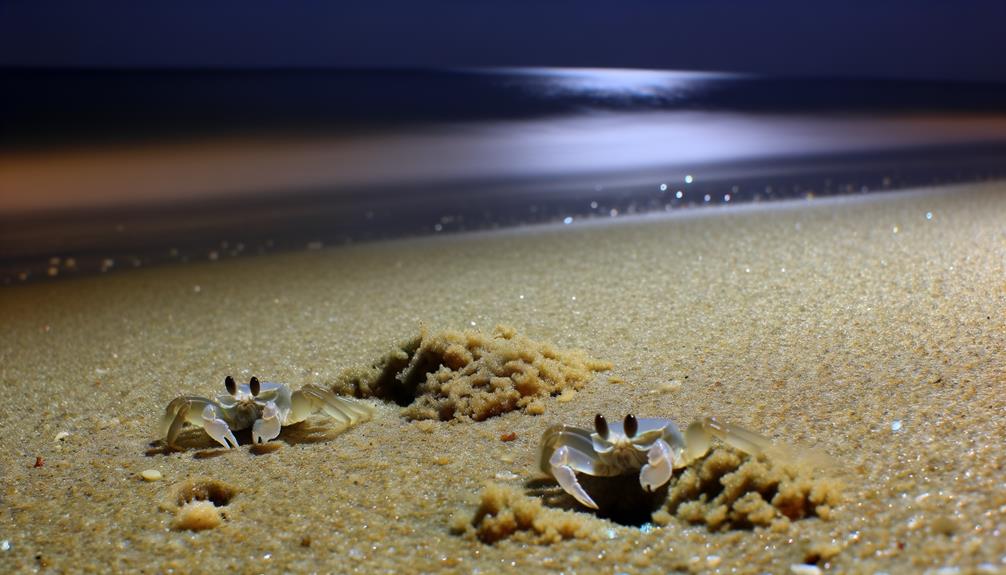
653,446
265,407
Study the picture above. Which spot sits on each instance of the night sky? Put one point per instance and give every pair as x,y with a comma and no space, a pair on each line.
894,39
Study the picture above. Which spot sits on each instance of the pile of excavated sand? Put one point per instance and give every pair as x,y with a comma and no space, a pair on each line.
728,489
471,375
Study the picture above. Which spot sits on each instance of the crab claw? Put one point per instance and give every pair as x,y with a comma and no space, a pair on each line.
217,428
267,428
564,464
660,463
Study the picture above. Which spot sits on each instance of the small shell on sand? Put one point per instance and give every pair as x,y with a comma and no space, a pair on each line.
197,516
151,475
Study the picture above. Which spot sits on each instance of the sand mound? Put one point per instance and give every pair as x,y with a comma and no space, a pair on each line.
197,516
726,489
198,504
731,490
470,375
505,512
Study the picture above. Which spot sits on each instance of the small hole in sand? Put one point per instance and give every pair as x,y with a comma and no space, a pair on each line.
620,498
216,492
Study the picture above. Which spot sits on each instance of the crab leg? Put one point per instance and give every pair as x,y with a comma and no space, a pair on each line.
564,463
174,423
700,434
181,410
740,437
356,410
312,398
659,466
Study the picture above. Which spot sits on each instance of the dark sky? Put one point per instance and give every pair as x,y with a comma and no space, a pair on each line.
961,40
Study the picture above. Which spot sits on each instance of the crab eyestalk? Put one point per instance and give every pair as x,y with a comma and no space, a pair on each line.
630,426
254,386
232,388
601,426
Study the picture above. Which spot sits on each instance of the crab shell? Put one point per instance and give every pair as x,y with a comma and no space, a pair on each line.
615,451
242,409
612,450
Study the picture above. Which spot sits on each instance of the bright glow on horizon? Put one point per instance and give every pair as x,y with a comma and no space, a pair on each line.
614,82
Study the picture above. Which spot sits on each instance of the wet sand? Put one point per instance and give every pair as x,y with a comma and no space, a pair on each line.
860,328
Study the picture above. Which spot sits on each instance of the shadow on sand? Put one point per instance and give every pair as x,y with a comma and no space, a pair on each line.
619,498
313,430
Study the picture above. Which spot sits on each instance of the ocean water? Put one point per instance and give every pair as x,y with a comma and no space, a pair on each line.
102,171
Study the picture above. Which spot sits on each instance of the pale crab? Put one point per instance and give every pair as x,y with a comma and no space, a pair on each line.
265,407
655,447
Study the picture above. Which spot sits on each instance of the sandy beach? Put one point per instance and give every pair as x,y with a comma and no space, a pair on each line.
867,332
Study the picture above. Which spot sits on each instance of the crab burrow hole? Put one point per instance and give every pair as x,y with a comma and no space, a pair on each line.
198,504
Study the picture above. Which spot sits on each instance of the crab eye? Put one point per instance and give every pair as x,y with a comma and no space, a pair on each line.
631,425
254,386
601,426
232,388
